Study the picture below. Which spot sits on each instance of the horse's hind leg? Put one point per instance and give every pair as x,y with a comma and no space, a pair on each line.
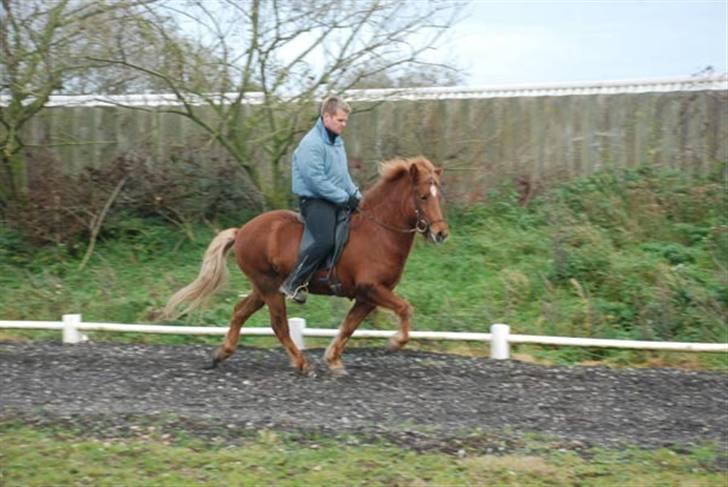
279,323
356,315
242,311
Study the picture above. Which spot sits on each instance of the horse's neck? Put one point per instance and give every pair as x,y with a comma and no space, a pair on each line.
391,204
389,207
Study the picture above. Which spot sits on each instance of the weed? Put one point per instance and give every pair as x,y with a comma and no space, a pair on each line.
636,255
33,456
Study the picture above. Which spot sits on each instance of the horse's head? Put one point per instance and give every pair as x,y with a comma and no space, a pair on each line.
427,195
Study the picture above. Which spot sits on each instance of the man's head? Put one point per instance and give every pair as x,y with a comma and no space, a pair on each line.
335,112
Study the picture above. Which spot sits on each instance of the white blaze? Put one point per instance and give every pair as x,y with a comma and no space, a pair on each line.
433,191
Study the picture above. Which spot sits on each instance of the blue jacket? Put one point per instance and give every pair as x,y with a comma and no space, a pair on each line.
320,168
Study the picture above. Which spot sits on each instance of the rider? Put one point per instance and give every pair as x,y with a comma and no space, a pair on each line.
321,180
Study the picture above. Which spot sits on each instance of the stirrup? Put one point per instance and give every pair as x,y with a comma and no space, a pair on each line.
298,295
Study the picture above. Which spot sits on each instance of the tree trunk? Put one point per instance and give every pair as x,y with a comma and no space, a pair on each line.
14,180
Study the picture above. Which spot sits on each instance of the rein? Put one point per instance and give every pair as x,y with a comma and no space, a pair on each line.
417,228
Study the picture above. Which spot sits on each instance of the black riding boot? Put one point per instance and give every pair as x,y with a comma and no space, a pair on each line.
294,287
317,243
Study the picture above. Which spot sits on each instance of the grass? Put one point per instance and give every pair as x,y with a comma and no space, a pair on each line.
42,456
638,254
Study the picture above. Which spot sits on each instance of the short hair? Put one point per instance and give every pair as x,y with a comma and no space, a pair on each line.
332,103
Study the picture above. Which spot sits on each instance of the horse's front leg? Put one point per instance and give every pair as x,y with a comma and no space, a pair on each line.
386,298
279,323
356,315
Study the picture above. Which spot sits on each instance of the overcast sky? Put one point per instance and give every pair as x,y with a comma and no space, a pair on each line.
511,42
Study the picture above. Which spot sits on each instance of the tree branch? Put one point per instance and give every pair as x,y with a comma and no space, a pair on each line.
97,222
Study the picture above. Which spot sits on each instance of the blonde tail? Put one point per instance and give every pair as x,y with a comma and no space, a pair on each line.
213,274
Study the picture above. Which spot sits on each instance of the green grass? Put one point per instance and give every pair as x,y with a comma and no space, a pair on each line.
639,254
43,457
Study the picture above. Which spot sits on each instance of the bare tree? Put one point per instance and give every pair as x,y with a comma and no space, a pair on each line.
270,59
121,34
412,77
43,46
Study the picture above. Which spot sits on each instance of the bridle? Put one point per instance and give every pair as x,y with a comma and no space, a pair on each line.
422,224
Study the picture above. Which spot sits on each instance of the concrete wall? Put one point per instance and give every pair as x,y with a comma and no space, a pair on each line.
481,141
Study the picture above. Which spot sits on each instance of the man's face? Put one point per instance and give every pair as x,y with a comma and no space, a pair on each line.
336,122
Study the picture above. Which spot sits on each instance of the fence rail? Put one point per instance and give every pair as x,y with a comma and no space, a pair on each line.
499,337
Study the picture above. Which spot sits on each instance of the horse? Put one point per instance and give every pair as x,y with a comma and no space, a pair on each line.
403,202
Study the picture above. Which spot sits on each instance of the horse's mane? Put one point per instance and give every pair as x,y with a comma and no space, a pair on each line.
394,168
391,171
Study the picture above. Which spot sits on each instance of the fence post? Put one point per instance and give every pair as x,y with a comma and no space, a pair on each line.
499,348
70,330
296,327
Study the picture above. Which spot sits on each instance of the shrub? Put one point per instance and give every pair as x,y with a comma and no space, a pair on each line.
674,253
66,208
581,253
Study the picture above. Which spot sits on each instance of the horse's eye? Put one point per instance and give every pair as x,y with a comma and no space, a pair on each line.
423,197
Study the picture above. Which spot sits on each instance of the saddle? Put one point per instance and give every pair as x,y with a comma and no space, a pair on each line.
341,237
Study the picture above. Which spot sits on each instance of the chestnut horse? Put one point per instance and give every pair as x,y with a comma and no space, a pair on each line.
404,201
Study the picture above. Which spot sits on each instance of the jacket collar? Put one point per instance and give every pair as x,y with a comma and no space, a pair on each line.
324,134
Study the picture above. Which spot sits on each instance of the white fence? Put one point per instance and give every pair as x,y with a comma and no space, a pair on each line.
499,337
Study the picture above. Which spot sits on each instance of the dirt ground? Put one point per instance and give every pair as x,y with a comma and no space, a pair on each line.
418,399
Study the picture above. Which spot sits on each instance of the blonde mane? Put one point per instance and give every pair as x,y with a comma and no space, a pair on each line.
392,169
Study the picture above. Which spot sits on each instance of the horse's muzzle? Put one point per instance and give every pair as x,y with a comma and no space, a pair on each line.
439,236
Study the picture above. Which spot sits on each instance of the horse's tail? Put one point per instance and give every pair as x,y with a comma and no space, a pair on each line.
213,275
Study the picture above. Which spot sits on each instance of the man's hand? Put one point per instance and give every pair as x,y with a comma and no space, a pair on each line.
353,203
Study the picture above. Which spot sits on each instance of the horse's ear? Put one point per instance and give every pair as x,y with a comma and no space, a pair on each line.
438,171
414,172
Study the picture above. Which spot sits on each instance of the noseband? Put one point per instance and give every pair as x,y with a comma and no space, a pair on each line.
423,225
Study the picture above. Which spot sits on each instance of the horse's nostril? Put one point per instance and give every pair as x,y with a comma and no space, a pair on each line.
441,237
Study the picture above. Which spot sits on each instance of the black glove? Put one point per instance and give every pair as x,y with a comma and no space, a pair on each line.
353,203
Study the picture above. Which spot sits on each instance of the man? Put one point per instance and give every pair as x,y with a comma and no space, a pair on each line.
322,182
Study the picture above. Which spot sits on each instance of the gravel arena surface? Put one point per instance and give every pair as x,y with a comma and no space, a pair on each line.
421,400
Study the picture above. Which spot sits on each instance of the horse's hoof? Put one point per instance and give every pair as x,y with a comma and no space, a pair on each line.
396,344
212,365
306,371
336,368
338,372
394,348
